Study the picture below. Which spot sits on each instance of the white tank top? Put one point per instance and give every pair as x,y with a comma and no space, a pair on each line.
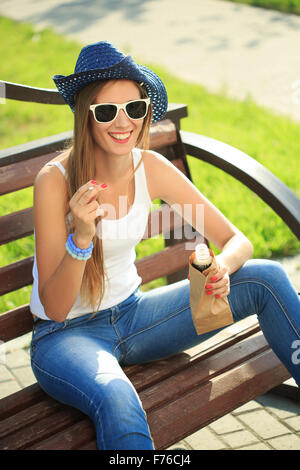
119,239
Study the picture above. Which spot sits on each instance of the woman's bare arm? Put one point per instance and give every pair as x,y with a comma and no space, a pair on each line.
60,275
173,187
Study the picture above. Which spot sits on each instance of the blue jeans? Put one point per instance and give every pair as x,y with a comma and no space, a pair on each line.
78,361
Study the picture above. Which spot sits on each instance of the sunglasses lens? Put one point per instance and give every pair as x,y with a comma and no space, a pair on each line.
136,109
105,112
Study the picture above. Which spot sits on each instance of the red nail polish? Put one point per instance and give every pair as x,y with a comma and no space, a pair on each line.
93,181
208,286
217,296
188,277
214,278
104,185
209,292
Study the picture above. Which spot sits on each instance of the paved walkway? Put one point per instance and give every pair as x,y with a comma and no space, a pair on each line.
219,45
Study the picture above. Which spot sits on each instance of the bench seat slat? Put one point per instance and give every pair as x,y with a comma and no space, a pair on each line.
91,445
145,376
28,416
215,398
201,371
75,437
17,401
41,429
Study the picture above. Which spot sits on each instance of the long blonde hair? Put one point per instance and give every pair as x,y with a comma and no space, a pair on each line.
80,169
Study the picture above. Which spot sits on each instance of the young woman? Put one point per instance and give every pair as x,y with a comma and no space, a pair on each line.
90,212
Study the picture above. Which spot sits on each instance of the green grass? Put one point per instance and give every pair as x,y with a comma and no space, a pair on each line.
285,6
269,138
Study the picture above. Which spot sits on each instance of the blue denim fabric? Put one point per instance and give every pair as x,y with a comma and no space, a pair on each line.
79,361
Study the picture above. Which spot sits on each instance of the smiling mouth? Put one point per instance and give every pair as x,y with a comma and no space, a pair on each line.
120,137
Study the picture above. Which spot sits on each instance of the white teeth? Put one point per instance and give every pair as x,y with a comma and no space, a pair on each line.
121,136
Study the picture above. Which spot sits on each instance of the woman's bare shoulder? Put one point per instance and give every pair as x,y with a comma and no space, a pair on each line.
154,163
62,158
53,174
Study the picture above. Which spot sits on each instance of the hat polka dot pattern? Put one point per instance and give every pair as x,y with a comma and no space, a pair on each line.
102,61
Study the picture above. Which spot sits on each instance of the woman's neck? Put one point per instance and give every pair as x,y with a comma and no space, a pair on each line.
111,168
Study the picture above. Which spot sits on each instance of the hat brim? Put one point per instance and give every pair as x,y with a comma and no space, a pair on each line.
69,85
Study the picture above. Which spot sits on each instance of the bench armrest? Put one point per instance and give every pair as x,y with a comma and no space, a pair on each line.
249,172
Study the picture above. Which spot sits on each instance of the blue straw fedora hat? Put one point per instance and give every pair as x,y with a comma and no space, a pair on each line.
103,61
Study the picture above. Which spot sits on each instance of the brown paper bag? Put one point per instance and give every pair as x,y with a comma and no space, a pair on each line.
208,312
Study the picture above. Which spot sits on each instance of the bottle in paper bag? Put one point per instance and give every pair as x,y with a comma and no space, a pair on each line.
202,259
208,312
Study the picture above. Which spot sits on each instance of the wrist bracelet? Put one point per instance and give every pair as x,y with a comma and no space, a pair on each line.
78,253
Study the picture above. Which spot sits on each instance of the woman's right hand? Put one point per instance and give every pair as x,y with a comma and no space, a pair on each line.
85,209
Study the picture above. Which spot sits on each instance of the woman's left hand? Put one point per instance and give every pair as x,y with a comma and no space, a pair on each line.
218,284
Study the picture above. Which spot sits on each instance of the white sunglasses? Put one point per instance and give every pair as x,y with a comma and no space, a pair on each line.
107,112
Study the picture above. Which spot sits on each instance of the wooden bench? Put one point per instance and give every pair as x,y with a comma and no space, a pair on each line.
180,394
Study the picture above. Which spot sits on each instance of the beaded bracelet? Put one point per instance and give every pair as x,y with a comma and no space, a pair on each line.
78,253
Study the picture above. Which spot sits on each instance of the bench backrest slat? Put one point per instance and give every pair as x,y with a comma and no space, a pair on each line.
16,275
16,225
22,174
